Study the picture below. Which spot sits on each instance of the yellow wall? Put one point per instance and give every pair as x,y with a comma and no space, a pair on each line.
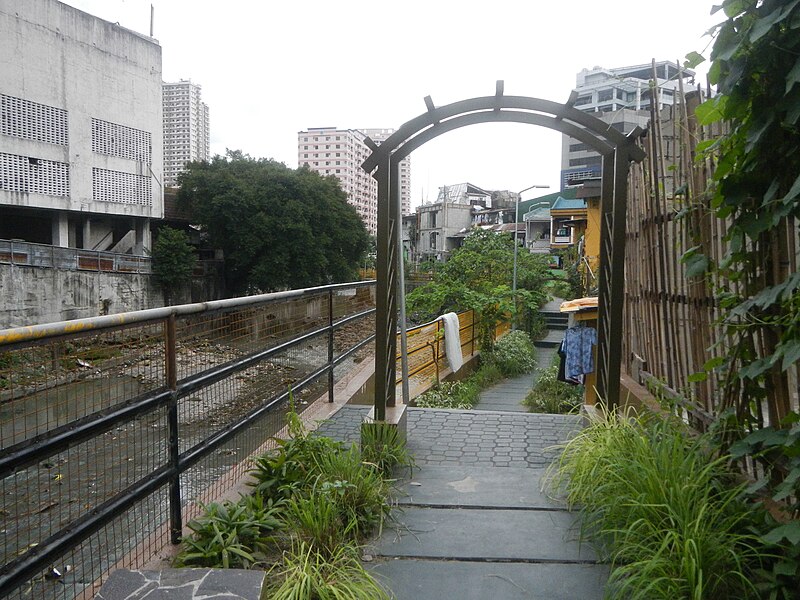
592,239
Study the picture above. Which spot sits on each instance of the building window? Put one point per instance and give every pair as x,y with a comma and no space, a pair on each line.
605,95
583,100
432,219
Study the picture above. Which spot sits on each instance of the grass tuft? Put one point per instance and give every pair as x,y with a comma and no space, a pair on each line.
660,508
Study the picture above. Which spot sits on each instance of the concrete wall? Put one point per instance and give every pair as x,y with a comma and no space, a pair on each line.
56,56
49,295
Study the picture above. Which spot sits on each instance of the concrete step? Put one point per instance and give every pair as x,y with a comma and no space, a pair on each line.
552,340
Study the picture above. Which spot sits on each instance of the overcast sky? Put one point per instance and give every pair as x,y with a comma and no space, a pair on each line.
270,69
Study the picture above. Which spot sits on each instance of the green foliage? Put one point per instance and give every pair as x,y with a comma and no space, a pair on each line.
173,260
550,395
478,276
355,486
665,513
278,227
230,535
316,495
572,285
462,394
514,354
306,574
280,473
780,450
383,446
318,520
756,66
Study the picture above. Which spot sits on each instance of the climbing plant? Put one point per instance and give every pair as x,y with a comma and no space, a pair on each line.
756,188
756,191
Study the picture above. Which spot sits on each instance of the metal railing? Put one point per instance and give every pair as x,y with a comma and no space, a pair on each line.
113,429
27,254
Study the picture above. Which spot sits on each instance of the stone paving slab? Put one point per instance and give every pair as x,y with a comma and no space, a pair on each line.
466,534
442,580
510,487
182,584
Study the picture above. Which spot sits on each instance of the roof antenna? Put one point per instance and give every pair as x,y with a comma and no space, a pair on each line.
152,16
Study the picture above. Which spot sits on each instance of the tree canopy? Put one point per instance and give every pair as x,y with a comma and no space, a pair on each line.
173,261
279,228
479,276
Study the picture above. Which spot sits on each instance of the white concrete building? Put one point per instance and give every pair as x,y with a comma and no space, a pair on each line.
80,129
186,128
620,97
442,225
340,152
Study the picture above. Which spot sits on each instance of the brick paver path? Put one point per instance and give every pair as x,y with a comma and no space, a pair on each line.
469,437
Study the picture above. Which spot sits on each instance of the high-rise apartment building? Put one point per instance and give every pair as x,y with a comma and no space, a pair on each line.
186,128
622,98
80,129
340,152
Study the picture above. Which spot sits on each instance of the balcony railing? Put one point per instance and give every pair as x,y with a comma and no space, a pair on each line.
74,259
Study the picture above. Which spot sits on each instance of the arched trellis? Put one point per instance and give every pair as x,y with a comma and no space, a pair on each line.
617,151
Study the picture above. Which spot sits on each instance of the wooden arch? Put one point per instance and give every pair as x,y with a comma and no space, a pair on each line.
617,151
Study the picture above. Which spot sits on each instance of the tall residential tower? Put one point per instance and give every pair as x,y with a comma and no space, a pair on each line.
340,152
186,128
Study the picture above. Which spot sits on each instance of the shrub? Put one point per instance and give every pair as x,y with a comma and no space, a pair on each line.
356,488
450,394
382,446
318,521
231,534
173,260
317,495
304,573
660,509
514,354
549,395
281,472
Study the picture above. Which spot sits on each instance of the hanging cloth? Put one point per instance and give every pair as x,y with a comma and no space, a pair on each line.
562,367
452,341
578,343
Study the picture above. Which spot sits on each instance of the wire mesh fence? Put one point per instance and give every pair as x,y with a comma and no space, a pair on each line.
113,430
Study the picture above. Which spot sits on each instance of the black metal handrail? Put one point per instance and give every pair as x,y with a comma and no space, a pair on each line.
37,557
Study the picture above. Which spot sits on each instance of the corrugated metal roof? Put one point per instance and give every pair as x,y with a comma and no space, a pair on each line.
568,204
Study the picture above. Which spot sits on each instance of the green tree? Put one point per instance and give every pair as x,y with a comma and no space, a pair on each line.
173,261
479,276
279,228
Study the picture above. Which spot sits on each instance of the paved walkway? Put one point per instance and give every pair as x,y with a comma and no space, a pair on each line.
471,522
509,394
